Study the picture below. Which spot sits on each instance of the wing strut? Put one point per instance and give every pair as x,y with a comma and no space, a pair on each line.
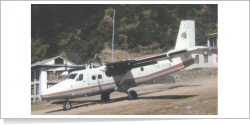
125,76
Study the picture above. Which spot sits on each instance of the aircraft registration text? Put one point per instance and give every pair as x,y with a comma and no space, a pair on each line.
164,65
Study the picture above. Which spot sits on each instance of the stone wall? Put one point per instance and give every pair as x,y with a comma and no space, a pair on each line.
185,75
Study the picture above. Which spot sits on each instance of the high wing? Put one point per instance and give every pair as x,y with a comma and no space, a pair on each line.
118,68
122,67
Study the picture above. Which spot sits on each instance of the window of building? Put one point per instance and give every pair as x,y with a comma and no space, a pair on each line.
57,76
80,78
197,59
205,59
63,77
51,76
58,61
32,89
215,43
37,75
37,88
32,76
142,69
211,43
93,77
99,76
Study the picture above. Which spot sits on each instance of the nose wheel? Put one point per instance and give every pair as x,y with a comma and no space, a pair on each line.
67,105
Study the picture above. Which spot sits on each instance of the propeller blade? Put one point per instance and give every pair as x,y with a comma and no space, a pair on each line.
98,59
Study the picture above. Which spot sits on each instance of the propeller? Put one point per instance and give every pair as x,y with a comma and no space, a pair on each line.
102,67
96,57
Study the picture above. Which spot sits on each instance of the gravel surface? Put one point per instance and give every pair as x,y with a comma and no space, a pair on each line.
198,96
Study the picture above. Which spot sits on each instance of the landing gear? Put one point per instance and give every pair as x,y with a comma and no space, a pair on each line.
105,97
125,88
67,105
132,95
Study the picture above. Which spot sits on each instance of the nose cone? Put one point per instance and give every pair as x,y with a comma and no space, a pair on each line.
45,94
56,91
48,94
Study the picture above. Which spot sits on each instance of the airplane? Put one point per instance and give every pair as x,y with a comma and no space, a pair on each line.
124,75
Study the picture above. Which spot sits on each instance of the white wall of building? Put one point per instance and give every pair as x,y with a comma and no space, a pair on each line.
211,63
215,60
41,72
42,80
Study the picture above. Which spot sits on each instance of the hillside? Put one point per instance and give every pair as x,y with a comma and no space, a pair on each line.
78,32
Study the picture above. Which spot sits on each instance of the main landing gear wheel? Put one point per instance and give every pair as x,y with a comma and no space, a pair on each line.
67,105
105,97
132,95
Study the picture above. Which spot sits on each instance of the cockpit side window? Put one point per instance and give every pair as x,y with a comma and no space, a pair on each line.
72,76
80,78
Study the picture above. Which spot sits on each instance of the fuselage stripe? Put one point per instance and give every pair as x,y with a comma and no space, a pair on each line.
111,83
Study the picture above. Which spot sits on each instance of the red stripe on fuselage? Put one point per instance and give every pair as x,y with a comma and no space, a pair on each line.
107,84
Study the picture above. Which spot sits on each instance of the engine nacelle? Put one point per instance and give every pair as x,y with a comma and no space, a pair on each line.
118,68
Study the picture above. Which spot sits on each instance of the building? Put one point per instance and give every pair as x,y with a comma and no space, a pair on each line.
208,59
47,73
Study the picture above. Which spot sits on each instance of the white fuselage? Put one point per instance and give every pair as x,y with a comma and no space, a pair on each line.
95,81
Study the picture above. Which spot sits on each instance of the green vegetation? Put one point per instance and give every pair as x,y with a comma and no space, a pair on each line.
136,27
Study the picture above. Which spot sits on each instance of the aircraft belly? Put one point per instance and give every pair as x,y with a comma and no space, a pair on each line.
81,91
108,87
94,90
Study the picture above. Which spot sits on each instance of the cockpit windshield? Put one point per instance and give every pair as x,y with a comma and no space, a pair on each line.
72,76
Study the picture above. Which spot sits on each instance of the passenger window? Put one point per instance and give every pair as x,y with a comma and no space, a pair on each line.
93,77
142,69
99,76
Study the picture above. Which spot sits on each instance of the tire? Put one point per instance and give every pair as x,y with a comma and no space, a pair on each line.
105,97
132,95
67,105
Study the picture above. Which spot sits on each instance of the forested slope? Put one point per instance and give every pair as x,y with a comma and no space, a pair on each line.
77,32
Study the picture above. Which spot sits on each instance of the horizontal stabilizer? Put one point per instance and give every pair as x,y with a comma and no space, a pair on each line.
191,50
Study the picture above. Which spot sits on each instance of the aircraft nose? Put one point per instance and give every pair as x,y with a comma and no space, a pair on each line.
52,92
44,94
48,93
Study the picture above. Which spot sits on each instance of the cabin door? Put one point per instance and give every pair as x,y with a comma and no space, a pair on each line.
100,80
96,80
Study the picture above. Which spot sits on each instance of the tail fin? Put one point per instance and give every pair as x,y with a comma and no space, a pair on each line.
186,35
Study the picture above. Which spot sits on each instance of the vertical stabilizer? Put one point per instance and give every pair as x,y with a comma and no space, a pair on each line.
186,35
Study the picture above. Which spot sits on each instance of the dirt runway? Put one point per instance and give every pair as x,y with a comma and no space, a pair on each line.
193,97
